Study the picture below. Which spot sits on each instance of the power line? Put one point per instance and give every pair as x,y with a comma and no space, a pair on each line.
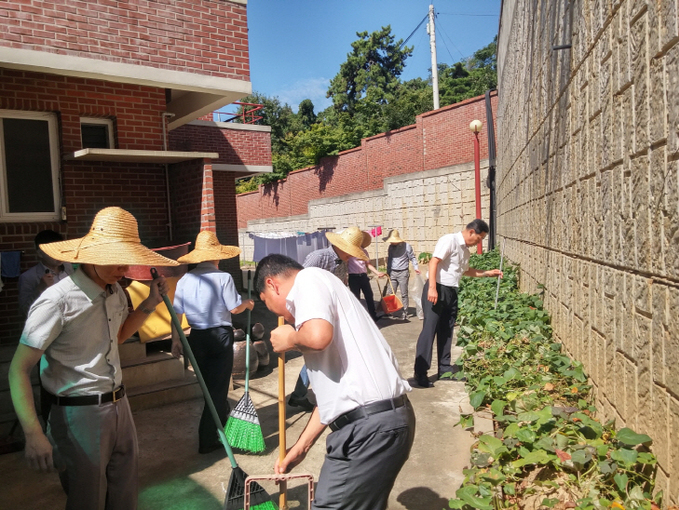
461,14
413,32
440,28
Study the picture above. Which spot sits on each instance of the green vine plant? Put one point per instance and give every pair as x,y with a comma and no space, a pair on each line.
548,449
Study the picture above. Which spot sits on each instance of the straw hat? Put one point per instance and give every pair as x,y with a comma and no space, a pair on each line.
349,241
207,247
367,239
394,237
113,239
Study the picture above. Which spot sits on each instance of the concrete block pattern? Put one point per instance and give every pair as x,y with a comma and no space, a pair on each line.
588,196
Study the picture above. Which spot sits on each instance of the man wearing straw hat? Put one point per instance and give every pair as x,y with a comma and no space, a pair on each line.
358,277
360,392
74,329
334,259
208,297
399,254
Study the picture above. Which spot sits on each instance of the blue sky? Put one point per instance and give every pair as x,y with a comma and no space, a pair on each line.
297,46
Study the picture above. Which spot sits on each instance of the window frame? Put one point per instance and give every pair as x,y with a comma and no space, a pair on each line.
99,121
53,133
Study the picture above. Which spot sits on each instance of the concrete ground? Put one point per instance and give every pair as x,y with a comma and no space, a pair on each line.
174,476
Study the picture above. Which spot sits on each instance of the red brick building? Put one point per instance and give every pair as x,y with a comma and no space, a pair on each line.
99,103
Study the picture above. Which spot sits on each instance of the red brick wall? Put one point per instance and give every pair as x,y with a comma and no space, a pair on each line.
234,146
224,185
207,37
136,109
438,139
186,187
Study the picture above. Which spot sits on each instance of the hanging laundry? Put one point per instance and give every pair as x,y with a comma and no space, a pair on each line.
307,243
377,231
11,264
267,243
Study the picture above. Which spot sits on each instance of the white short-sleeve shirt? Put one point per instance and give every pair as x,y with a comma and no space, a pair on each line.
454,255
358,367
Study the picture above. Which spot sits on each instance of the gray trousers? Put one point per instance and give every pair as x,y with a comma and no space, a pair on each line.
363,459
399,280
96,453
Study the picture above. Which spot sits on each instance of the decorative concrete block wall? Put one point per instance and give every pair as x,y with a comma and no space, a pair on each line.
588,195
422,206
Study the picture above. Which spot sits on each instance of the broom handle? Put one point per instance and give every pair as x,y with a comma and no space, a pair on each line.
206,393
502,258
283,498
247,340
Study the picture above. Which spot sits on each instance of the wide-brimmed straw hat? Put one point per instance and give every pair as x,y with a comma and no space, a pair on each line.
113,239
394,237
367,239
208,248
349,241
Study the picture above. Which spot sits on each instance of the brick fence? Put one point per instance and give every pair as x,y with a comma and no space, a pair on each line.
438,139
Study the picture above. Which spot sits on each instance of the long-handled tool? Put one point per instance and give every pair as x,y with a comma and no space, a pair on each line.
283,498
502,258
281,480
234,499
242,428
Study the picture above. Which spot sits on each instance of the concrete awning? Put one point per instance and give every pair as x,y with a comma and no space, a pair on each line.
132,156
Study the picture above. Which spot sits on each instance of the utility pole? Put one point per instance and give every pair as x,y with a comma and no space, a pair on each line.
434,65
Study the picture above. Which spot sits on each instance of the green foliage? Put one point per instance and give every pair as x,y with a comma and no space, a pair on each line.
368,98
547,442
369,77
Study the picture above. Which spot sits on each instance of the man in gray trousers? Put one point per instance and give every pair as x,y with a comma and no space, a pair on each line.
360,393
399,254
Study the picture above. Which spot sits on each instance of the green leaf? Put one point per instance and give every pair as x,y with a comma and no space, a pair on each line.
525,435
580,457
535,457
492,445
456,503
466,421
498,407
607,467
510,489
621,482
529,416
468,495
625,456
631,438
476,398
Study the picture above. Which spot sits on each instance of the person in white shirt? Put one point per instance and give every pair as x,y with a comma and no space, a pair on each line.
360,393
449,262
44,274
208,297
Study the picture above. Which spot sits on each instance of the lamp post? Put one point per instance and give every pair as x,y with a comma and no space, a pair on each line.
476,126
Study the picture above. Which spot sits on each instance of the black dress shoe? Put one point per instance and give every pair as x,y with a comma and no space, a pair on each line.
304,403
423,382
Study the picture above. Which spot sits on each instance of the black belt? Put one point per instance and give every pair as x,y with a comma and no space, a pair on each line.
89,400
367,410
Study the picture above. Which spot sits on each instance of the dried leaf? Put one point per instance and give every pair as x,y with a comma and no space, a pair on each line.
563,456
549,387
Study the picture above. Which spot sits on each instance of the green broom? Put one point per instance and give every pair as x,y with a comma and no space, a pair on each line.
235,492
243,430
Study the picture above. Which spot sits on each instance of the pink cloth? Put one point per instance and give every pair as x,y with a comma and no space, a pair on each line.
357,266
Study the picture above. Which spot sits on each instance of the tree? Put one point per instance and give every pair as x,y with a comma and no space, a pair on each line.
370,75
306,114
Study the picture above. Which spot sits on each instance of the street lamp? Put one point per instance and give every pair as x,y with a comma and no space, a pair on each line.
476,126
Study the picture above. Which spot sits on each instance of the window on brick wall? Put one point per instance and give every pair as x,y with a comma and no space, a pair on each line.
29,166
96,133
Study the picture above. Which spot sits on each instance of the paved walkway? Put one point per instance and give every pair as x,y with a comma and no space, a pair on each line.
174,476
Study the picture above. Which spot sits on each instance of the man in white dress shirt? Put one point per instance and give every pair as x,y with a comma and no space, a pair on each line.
449,262
360,393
